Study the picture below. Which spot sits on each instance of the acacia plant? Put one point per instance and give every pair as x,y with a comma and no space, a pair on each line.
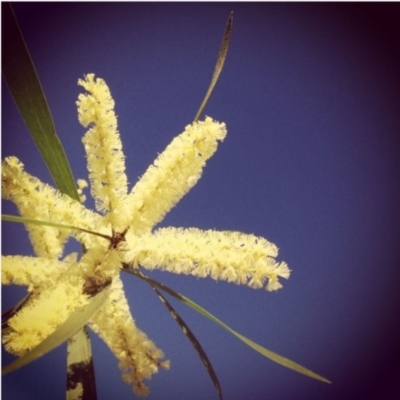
68,293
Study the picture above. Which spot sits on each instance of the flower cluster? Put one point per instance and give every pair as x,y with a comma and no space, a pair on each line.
58,286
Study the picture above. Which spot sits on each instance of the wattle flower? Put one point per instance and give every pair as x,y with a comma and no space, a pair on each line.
126,220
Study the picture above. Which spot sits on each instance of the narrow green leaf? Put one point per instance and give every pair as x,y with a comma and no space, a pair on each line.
22,220
81,384
26,90
196,344
260,349
223,51
73,323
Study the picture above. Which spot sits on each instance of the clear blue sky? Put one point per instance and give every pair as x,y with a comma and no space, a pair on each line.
310,95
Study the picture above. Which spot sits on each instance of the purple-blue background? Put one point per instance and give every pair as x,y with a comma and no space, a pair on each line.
310,96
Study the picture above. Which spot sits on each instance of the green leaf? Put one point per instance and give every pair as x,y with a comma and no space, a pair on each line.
260,349
22,220
73,323
196,344
26,90
223,51
81,383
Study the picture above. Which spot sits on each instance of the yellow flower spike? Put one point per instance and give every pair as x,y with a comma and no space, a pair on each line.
138,356
37,200
173,174
105,159
19,187
231,256
29,271
41,316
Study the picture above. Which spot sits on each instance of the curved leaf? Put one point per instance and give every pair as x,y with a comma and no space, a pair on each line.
196,344
223,51
26,90
260,349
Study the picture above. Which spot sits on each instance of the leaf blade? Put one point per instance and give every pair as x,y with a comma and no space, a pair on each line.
255,346
26,90
195,343
223,51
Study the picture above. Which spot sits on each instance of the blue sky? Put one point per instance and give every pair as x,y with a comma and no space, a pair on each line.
310,96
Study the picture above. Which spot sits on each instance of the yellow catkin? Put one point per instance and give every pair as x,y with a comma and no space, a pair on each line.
39,318
138,356
105,159
27,271
231,256
173,174
37,200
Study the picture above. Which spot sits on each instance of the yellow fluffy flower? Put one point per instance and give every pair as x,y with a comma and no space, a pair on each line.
126,220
